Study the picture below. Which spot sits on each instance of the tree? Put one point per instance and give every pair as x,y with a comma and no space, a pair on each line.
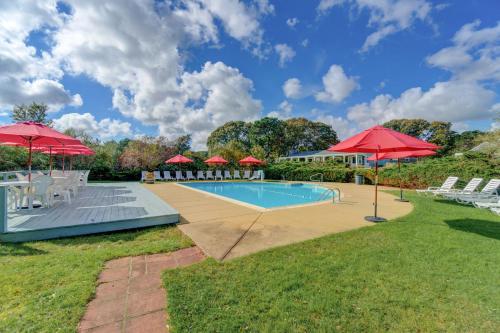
33,112
233,151
230,131
302,135
437,132
146,153
269,133
183,144
466,140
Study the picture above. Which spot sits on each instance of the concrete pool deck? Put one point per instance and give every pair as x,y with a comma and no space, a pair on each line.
216,225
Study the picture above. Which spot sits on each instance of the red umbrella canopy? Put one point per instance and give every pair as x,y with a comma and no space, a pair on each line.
217,160
59,151
380,139
402,154
179,159
250,160
38,134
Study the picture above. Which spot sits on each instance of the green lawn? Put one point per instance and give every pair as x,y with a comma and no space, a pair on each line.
45,286
437,269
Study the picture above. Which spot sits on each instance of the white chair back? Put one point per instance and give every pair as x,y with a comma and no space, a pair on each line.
491,187
218,174
246,174
200,175
189,175
210,174
143,175
40,185
449,183
237,174
167,175
227,174
472,185
178,175
157,175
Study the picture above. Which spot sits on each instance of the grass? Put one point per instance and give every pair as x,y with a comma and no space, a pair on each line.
436,269
45,286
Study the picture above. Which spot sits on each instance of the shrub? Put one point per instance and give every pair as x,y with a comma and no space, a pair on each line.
332,172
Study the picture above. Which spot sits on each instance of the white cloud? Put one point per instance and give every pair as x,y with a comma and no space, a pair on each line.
285,53
104,129
284,111
386,16
337,85
292,88
27,76
342,126
445,101
475,54
292,22
305,42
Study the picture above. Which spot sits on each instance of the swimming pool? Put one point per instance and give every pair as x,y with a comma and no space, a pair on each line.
266,195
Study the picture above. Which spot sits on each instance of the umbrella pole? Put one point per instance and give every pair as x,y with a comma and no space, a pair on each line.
400,184
50,161
63,162
70,163
375,218
30,160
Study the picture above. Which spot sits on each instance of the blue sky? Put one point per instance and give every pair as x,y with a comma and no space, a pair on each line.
177,67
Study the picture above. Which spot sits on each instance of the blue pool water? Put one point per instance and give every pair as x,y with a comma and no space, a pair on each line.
266,195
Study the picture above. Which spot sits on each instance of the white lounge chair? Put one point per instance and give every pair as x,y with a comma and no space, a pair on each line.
495,210
236,174
246,174
468,189
143,176
178,176
200,175
167,175
256,175
189,175
157,175
479,204
445,188
487,194
227,174
209,175
218,174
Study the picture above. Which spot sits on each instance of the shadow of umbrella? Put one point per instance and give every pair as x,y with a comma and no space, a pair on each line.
484,228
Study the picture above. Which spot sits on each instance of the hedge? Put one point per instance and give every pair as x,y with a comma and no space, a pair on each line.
332,172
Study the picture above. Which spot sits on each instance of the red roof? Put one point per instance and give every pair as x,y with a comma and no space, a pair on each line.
24,132
250,160
380,139
179,159
402,154
216,160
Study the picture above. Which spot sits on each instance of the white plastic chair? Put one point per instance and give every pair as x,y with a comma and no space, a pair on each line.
445,188
84,178
143,176
246,174
157,175
200,175
471,186
167,175
189,175
178,176
237,174
209,175
255,175
487,194
218,174
40,188
227,174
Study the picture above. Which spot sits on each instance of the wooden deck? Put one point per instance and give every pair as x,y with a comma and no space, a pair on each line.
97,208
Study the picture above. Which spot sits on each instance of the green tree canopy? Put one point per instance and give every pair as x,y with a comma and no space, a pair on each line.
269,133
302,134
34,112
230,131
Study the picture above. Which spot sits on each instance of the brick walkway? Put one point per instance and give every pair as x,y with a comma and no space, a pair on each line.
130,295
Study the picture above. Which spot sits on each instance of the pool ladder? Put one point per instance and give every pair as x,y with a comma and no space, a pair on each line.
317,180
334,190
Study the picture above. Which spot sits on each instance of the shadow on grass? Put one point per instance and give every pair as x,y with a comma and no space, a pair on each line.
18,249
481,227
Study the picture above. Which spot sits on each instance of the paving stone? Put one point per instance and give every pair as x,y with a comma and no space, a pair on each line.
159,257
151,322
145,282
110,290
118,263
115,327
113,274
103,312
145,302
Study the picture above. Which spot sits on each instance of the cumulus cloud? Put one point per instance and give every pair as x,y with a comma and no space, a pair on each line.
285,53
292,88
386,16
336,85
475,54
445,101
305,42
292,22
105,129
28,76
284,111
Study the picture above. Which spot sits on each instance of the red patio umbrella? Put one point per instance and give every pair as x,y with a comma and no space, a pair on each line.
216,160
378,139
29,133
179,159
250,160
64,151
399,155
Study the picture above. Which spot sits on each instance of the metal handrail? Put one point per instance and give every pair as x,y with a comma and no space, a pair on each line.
317,174
335,198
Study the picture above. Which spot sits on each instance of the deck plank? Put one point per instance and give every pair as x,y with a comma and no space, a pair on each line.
94,204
